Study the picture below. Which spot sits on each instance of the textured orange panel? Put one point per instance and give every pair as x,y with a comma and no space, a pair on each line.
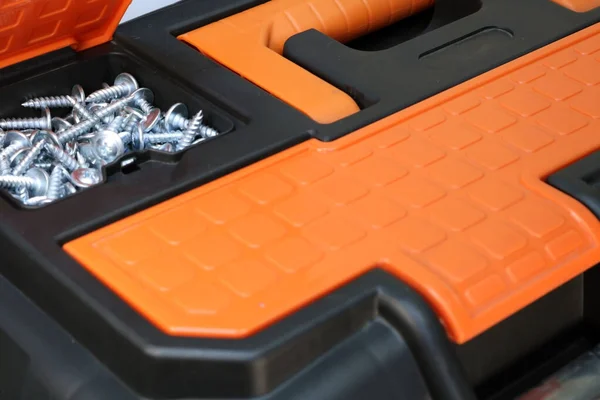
448,195
251,43
29,28
579,5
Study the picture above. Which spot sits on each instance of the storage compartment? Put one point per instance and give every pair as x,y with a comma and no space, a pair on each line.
90,70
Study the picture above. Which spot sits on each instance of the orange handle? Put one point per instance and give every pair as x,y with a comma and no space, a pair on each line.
342,20
250,42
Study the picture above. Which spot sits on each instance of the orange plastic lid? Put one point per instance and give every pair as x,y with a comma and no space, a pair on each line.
448,195
29,28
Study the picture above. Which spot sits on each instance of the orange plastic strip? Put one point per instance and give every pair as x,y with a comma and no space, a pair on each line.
579,5
251,44
29,28
448,195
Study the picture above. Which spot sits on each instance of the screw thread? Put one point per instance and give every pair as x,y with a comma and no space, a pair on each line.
49,102
180,122
43,165
23,123
75,131
22,166
62,157
4,165
116,124
144,105
84,112
12,149
16,182
160,138
110,93
131,122
190,133
125,137
56,183
208,132
114,107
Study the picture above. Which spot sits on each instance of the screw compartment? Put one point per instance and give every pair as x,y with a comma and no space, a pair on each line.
110,67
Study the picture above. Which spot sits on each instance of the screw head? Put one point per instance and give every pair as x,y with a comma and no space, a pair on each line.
108,146
19,155
137,138
128,110
47,116
13,137
47,137
150,121
37,201
86,177
42,181
178,109
166,147
145,94
78,94
127,80
59,124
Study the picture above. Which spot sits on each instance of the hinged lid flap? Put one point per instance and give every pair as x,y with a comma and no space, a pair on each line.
29,28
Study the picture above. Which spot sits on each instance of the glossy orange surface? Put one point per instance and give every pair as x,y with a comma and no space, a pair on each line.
29,28
448,195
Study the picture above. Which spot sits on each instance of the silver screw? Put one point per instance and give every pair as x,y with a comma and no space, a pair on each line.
163,138
177,117
4,165
56,101
145,100
39,140
116,124
45,122
37,201
14,142
36,180
59,124
85,177
57,178
70,189
191,132
75,131
62,157
108,146
95,107
125,84
131,122
207,132
80,109
166,147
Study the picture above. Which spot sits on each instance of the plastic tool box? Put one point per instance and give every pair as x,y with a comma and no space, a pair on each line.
403,203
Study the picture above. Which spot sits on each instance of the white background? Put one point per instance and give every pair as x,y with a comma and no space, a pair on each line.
140,7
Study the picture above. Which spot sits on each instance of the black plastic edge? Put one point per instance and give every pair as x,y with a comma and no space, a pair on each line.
581,181
260,364
38,359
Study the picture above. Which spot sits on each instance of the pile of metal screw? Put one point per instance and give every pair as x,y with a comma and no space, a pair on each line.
45,159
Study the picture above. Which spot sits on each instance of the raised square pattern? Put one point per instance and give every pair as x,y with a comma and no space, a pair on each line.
466,219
